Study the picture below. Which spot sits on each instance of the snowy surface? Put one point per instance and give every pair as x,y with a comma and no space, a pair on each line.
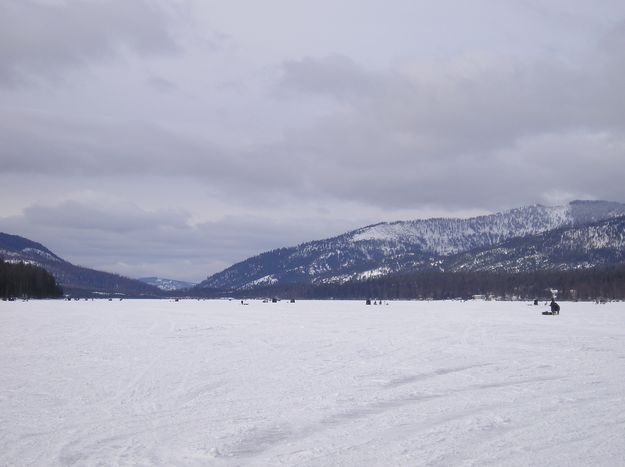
311,383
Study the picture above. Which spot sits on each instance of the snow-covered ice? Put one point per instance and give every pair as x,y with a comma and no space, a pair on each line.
311,383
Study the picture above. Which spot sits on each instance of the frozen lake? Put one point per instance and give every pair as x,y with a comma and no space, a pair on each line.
311,383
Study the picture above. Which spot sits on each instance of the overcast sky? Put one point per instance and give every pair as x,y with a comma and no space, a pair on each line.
174,138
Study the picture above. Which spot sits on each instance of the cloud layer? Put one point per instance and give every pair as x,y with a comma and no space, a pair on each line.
174,138
48,37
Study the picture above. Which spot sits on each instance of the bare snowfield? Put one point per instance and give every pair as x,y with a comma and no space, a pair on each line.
324,383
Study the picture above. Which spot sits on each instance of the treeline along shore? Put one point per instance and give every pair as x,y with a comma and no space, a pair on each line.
586,284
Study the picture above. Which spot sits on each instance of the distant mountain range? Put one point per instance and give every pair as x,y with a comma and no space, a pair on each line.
74,280
166,284
576,236
581,234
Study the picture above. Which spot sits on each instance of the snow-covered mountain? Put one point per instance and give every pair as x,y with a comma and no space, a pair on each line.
403,246
166,284
577,247
74,280
14,248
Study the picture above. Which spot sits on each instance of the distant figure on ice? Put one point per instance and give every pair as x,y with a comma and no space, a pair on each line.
555,308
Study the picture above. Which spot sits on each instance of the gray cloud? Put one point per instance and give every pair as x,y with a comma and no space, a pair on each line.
120,218
461,124
46,144
298,130
41,38
161,84
336,75
478,108
490,130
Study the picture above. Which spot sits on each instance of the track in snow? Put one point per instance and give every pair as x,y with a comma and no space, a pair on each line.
310,383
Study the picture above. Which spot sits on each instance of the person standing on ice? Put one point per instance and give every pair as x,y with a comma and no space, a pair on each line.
555,308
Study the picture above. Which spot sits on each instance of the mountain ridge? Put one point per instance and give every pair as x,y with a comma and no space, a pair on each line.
166,284
584,246
75,280
402,246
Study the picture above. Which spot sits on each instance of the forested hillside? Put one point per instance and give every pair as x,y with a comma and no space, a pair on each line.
26,280
587,284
